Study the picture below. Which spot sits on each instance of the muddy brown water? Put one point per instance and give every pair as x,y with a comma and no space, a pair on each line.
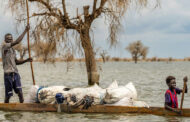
148,78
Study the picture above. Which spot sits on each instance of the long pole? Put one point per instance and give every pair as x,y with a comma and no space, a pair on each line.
28,38
182,97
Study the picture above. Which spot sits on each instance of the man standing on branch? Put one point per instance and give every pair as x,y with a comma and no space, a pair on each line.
11,75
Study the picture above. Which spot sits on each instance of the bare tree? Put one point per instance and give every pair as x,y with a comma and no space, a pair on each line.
137,50
22,50
53,22
144,52
68,58
45,51
103,54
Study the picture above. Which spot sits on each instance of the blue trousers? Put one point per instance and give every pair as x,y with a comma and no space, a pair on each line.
12,82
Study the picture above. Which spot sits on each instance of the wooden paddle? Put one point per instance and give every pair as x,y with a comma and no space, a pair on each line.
184,87
28,38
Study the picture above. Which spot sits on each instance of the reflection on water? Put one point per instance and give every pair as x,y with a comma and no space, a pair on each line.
14,116
174,119
148,78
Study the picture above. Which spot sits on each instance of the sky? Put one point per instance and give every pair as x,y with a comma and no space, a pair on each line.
165,30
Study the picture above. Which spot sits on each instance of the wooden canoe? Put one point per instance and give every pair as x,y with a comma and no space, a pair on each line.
93,109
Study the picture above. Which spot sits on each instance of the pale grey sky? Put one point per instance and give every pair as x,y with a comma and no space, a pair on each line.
165,30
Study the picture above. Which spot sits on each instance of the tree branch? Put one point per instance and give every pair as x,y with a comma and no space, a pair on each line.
97,11
48,6
64,19
23,19
94,6
44,3
45,14
65,25
64,8
86,13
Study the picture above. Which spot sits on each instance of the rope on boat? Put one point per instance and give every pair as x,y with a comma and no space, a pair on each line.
40,88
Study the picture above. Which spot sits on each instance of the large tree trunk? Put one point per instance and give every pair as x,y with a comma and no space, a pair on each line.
93,75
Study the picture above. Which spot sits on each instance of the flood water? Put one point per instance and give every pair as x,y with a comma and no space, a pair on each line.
148,78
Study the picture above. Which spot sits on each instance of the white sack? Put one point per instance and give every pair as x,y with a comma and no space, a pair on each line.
124,102
132,89
115,95
130,102
140,104
95,91
47,95
32,95
113,85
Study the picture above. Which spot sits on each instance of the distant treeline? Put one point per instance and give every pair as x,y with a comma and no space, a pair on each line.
153,59
116,59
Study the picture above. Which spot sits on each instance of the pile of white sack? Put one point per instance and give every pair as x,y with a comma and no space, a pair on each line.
113,95
123,95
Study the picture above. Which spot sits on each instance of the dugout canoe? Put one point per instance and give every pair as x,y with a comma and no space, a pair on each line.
93,109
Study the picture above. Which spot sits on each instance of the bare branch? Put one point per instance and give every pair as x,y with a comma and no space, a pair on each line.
48,6
44,3
45,14
98,11
86,13
65,19
64,8
62,20
23,19
94,6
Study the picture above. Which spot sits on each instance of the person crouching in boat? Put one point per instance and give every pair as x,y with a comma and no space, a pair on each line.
11,75
171,102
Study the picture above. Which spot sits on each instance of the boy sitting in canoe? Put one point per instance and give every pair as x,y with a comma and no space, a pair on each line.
171,102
